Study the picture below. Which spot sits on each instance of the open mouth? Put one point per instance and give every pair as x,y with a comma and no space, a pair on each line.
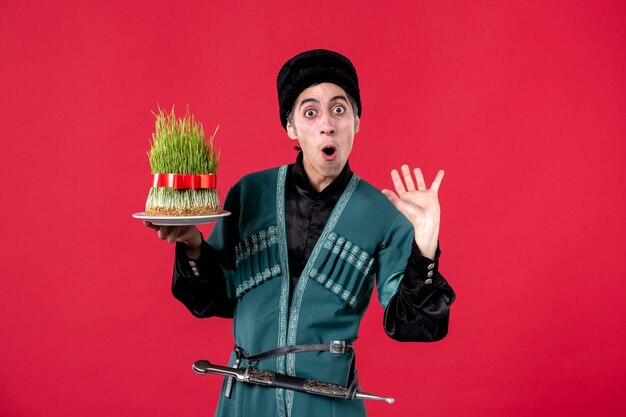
329,152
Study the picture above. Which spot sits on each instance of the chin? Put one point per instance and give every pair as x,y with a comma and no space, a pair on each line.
334,170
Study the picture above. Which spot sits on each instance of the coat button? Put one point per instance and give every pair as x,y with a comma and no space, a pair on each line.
431,266
428,281
430,274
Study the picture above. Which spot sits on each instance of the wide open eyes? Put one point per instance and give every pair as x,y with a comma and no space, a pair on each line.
339,109
310,113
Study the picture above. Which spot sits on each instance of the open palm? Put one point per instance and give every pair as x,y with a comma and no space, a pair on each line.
418,204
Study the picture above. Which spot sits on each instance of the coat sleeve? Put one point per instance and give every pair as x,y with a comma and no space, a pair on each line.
419,311
204,285
415,296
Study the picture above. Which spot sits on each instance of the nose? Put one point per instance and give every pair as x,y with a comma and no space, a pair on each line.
327,126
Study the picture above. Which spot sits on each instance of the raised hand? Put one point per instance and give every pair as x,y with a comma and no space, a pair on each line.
420,206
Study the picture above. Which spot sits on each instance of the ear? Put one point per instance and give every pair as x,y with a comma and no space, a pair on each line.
357,124
291,131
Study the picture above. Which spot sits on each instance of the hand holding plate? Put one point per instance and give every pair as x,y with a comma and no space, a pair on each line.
189,235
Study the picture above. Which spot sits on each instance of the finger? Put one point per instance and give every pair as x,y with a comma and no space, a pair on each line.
437,181
164,232
421,184
173,234
185,234
176,233
400,205
150,225
406,172
391,196
190,236
397,182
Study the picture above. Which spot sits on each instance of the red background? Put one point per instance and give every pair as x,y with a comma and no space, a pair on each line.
522,102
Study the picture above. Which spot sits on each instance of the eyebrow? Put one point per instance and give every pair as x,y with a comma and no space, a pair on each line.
314,100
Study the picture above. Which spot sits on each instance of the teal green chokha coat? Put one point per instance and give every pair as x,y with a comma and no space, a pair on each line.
365,243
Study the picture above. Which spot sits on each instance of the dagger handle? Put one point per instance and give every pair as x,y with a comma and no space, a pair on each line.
205,367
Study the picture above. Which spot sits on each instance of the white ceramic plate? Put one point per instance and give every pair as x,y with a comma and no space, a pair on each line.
180,220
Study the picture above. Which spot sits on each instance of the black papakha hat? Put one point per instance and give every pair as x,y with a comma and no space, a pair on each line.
314,67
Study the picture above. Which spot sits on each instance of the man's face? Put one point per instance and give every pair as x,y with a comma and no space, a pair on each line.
324,123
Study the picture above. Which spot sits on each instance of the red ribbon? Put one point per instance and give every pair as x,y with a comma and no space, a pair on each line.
184,181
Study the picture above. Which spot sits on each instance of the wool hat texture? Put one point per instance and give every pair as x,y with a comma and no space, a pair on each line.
314,67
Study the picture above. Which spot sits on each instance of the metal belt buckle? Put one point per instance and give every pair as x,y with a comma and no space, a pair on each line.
338,346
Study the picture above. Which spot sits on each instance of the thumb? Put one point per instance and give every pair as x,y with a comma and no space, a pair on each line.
391,196
401,205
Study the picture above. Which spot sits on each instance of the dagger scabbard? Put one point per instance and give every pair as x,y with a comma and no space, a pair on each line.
253,375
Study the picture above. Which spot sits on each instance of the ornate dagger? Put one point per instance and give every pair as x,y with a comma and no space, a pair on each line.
253,375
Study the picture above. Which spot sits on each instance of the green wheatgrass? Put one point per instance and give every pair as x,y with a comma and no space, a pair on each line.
179,147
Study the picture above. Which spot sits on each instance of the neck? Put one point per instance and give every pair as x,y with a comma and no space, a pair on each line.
316,181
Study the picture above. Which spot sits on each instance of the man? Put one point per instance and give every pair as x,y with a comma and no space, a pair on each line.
296,262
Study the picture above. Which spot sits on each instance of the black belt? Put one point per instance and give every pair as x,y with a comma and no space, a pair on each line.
336,346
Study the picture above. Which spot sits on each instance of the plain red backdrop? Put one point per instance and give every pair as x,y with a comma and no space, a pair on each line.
522,102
